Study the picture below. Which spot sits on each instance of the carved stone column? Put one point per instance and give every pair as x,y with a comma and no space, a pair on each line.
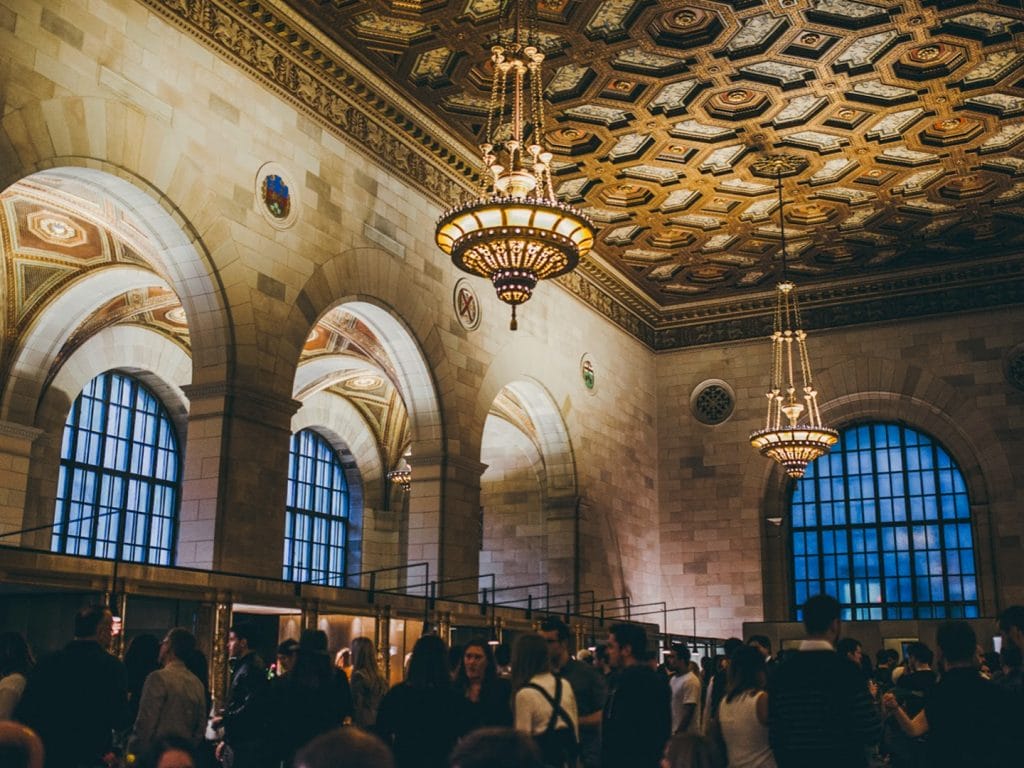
236,474
219,672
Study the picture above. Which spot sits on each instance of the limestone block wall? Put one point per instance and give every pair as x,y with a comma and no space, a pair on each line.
110,86
944,376
513,518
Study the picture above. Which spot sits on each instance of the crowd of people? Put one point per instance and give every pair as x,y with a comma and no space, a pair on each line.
822,704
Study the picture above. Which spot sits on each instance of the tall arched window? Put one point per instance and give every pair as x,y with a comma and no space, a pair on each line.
118,488
883,525
317,513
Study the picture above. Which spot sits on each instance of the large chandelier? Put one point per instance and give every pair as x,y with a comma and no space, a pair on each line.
785,438
515,232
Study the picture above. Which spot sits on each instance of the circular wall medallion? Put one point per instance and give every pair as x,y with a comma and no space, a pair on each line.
712,401
588,372
466,305
276,196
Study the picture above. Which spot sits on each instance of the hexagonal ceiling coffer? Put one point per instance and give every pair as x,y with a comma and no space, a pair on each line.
572,141
737,103
964,187
805,214
625,194
934,59
670,237
685,27
56,229
951,130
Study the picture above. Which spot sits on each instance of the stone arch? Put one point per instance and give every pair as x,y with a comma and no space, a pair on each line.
524,523
152,175
320,372
368,283
877,390
154,359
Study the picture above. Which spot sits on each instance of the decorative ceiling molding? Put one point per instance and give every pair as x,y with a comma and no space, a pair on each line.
865,93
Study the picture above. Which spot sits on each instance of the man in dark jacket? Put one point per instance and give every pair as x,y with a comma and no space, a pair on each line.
820,712
638,712
245,714
77,697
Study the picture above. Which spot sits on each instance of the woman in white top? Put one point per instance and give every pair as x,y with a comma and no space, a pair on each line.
743,715
15,663
535,689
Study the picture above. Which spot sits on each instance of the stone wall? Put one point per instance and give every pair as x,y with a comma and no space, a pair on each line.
941,377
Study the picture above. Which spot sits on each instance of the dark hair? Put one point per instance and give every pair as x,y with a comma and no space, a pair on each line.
141,658
182,642
819,613
529,657
555,624
197,664
15,655
882,656
746,672
428,667
243,631
345,748
761,640
313,667
957,641
490,671
632,635
1010,656
496,748
731,645
601,652
288,647
503,654
920,652
87,620
1012,617
847,646
681,651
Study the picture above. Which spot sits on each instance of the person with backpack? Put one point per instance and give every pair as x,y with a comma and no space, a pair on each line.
544,703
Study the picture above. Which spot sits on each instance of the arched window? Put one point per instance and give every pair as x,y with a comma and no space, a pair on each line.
317,513
883,525
118,488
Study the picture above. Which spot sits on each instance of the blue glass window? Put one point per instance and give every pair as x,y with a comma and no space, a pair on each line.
883,525
317,513
119,482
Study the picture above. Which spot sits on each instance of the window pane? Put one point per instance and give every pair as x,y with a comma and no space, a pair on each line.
882,507
109,489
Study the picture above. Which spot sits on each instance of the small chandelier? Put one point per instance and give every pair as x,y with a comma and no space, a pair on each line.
401,475
784,438
515,232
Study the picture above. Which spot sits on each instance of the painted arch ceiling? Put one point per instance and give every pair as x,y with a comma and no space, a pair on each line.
908,117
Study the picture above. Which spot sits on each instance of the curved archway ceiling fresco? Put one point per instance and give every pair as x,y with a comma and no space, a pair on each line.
909,115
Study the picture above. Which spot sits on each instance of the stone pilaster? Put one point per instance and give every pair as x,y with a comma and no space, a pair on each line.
236,474
15,457
562,543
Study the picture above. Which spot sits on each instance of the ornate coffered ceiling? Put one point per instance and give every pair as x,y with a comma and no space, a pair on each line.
909,115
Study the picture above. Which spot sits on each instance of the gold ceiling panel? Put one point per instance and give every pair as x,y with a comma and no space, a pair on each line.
909,116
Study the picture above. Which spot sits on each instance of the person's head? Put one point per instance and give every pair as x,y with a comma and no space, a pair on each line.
919,656
364,657
496,748
313,641
239,638
529,657
1011,626
746,672
15,655
142,657
428,666
343,658
95,622
172,752
851,649
601,656
958,645
678,658
286,652
477,663
556,633
627,645
20,746
345,748
821,617
731,645
177,645
762,643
